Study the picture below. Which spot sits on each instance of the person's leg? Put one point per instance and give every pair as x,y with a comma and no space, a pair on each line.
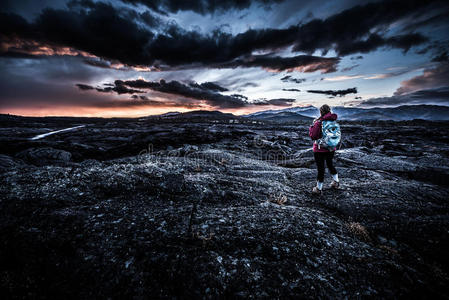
332,170
330,163
319,160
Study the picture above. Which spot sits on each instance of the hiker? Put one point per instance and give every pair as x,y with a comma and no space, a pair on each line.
325,132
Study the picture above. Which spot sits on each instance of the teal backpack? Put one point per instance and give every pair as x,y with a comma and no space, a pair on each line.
331,135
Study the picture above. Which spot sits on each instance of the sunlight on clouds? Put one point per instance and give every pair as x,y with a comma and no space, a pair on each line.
342,77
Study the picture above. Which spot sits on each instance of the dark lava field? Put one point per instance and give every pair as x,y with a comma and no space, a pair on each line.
220,208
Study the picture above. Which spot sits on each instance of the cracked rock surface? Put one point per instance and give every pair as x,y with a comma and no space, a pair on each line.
134,208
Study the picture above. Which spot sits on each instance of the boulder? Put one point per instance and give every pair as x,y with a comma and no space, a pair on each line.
44,156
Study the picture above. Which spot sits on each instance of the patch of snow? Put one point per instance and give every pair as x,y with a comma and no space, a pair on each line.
40,136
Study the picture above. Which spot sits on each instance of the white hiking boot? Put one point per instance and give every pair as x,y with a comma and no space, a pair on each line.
335,184
316,191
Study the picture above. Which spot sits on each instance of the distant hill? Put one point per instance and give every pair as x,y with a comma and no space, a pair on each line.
205,114
284,116
303,110
400,113
195,115
271,116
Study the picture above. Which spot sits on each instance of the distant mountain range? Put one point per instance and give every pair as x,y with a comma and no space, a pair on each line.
197,114
400,113
283,116
308,113
297,114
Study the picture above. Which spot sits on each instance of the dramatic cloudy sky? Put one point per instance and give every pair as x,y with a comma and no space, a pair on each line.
140,57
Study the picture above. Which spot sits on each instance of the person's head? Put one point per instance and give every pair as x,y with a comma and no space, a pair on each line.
324,109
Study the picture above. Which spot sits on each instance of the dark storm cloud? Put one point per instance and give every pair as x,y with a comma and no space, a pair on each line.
438,48
358,29
118,88
29,8
135,102
335,93
125,41
289,78
375,41
434,19
148,101
97,63
122,89
198,6
302,63
145,101
100,31
240,96
84,87
146,17
291,90
209,86
438,96
150,19
431,78
114,34
194,91
221,50
13,54
441,57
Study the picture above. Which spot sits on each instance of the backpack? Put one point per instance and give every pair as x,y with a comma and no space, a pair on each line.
330,135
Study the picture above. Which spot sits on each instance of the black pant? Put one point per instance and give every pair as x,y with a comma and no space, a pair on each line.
320,157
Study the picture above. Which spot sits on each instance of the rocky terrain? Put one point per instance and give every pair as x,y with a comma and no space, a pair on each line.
220,207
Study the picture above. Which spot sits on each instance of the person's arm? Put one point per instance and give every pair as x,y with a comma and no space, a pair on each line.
315,130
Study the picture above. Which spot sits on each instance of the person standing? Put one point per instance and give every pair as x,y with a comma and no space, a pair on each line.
323,153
